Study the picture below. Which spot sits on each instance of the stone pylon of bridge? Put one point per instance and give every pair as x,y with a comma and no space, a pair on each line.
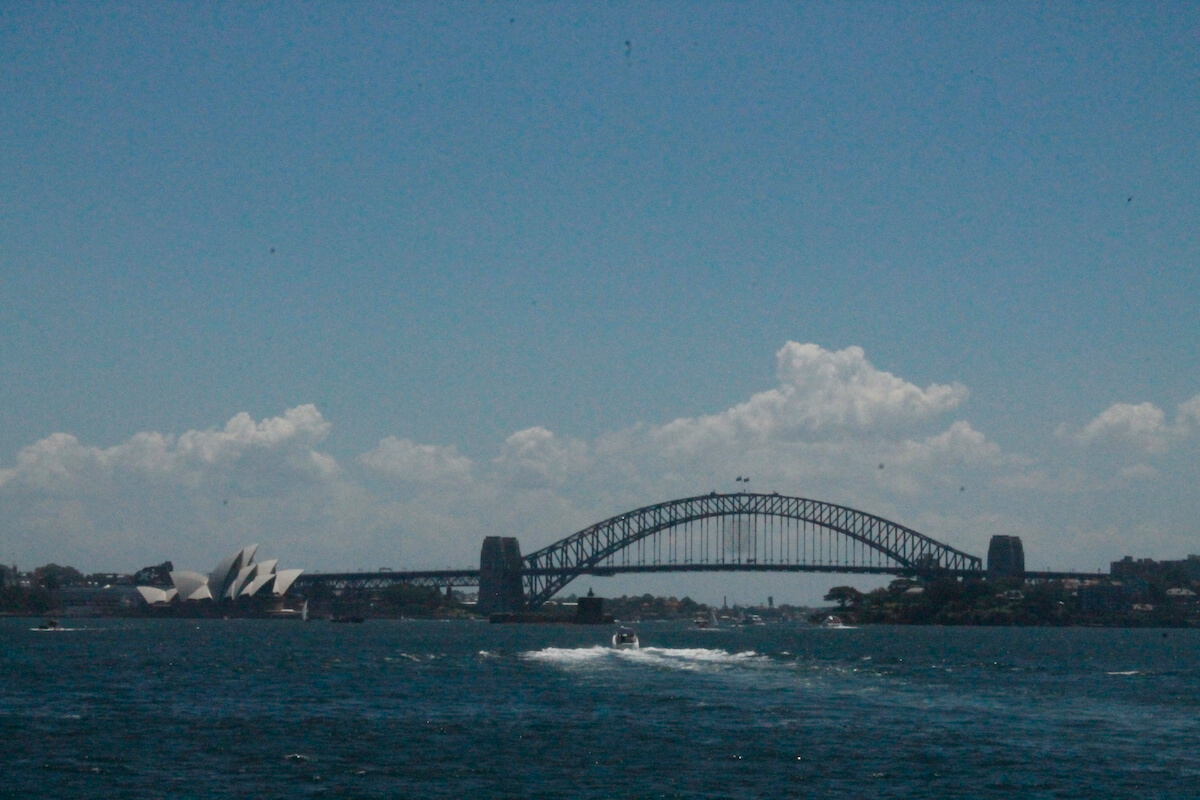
1006,557
501,587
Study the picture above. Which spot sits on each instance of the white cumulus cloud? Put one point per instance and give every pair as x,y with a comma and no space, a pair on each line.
1143,425
821,394
156,495
960,443
537,459
406,460
1189,414
61,459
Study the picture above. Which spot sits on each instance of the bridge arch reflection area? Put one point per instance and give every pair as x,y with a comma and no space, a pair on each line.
738,532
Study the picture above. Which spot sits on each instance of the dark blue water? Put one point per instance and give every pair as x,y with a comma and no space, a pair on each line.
248,708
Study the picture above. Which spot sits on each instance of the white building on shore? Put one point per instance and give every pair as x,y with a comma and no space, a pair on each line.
235,577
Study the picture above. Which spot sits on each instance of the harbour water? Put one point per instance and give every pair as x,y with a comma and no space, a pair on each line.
259,708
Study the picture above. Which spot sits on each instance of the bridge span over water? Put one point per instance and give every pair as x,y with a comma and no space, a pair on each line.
709,533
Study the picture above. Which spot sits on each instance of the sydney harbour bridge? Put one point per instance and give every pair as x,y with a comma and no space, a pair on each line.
708,533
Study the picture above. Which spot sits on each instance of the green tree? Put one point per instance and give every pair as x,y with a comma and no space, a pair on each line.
845,595
405,595
28,600
52,576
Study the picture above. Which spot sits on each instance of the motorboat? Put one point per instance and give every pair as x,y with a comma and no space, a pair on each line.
625,639
834,621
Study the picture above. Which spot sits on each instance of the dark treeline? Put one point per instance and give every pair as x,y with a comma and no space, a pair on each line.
25,600
950,601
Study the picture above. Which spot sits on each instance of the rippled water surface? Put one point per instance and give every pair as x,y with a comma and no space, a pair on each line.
257,708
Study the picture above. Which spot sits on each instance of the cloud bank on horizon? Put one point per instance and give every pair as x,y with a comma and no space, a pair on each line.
1143,425
835,427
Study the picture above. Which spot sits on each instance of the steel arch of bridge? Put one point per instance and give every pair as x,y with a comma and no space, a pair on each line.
850,540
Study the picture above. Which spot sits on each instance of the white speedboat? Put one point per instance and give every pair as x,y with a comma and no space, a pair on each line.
625,639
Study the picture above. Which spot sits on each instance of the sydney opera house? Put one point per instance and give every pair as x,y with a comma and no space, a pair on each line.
238,576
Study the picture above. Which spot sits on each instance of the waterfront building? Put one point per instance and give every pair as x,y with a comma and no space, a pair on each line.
1187,569
236,577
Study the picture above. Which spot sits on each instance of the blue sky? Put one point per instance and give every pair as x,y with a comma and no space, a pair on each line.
449,225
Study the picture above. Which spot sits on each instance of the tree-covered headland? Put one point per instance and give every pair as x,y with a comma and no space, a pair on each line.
1133,602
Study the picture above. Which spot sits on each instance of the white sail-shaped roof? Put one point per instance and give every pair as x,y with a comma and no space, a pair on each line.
253,586
190,583
221,578
236,576
235,586
284,579
154,595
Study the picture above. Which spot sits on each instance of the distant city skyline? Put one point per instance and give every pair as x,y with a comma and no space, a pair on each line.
367,283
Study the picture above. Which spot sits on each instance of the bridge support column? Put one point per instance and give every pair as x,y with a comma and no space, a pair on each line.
1006,557
500,568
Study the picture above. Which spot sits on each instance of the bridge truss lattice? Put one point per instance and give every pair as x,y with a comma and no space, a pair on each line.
735,532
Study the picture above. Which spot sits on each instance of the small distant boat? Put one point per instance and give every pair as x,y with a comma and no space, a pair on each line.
702,621
348,618
834,621
49,625
625,639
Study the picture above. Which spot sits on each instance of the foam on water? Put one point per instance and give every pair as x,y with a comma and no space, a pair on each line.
57,629
673,658
569,655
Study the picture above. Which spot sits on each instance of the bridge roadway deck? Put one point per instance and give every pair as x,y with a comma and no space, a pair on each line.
382,580
470,577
